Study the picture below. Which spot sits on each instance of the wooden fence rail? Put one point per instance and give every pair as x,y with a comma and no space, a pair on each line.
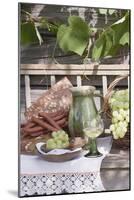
54,70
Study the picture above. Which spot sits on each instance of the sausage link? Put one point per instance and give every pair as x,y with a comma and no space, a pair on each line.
50,120
44,124
57,118
38,133
29,125
34,129
62,121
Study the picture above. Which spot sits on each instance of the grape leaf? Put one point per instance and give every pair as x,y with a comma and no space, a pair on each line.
28,33
108,44
98,48
124,39
111,39
120,29
51,26
73,37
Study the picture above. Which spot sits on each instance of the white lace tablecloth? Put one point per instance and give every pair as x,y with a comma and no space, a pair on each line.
39,177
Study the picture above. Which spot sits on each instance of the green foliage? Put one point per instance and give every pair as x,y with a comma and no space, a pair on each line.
73,37
28,33
52,27
112,38
125,38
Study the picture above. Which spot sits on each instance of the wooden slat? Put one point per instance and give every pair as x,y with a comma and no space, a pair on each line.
53,80
73,72
27,91
79,82
35,94
104,84
116,159
87,67
97,100
117,179
42,81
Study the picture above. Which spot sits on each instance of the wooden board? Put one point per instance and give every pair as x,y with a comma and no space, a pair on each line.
74,67
115,179
91,69
116,159
43,81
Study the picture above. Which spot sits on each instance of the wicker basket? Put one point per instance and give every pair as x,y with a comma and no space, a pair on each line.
123,143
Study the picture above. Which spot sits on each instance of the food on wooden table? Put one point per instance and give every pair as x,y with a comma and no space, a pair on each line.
60,116
49,112
62,122
119,104
29,124
58,97
59,140
54,115
35,134
77,142
28,144
45,123
33,129
23,125
50,120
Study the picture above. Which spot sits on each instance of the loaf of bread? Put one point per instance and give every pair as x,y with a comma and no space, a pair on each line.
58,97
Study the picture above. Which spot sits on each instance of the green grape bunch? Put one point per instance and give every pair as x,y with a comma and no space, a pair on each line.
59,140
119,104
